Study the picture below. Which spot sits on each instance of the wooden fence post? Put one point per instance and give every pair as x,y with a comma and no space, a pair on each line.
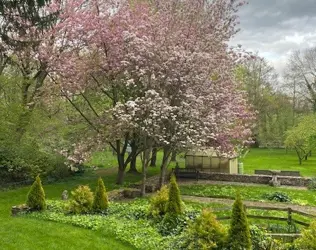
289,216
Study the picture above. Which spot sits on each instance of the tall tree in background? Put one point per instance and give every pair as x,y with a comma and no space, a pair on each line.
22,26
301,68
274,113
302,137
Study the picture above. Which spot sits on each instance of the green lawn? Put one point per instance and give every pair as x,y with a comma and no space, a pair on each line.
24,233
278,159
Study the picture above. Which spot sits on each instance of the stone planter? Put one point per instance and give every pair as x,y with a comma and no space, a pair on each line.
131,193
15,210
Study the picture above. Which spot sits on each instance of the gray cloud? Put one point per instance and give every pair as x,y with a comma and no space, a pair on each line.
274,28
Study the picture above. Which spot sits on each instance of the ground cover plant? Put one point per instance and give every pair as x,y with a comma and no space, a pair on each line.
181,227
23,233
252,193
132,223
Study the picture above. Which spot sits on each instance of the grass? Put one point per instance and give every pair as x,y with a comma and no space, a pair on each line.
252,193
278,159
24,233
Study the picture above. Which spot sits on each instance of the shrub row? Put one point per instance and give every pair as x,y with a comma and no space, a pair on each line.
83,200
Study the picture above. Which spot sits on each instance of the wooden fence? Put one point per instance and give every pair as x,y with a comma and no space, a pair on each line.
288,219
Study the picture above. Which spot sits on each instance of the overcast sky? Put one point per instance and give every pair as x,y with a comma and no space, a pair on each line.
274,28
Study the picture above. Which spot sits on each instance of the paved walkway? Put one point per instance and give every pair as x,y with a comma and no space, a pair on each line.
229,202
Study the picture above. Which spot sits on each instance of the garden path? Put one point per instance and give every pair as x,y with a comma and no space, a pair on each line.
229,202
202,182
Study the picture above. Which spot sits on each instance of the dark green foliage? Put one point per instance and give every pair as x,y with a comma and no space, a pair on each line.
239,234
82,200
205,233
174,225
174,205
100,202
308,239
36,196
19,162
278,196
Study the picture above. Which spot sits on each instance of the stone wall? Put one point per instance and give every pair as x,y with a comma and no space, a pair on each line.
259,179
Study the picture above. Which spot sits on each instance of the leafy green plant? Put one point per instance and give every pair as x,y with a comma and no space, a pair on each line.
205,233
82,200
278,196
308,239
36,196
239,233
100,202
259,238
158,203
174,225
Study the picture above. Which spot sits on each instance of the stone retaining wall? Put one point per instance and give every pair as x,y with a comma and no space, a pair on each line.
259,179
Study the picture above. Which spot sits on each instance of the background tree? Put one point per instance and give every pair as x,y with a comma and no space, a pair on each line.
22,26
274,113
301,68
302,137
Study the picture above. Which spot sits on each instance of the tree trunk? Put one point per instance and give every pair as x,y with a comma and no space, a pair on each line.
23,122
174,156
120,176
132,168
153,157
121,164
145,163
164,165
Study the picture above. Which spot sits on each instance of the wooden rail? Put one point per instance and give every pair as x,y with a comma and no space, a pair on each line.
289,211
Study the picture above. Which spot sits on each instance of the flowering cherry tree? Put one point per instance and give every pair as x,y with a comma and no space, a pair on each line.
163,68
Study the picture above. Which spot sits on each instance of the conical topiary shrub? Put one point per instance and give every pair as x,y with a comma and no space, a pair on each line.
36,196
100,201
205,232
239,233
174,205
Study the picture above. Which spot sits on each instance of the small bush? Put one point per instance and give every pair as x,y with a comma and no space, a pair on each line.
239,233
312,184
36,196
158,203
308,239
100,202
259,238
82,200
205,233
174,225
278,196
174,205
